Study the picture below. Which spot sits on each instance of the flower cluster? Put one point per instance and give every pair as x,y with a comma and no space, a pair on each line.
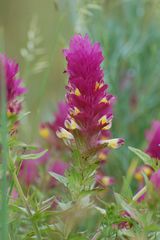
14,87
89,103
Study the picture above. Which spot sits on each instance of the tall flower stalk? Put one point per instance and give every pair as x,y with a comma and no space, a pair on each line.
89,119
4,156
11,90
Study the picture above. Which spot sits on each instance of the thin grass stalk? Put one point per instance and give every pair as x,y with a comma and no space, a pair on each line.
4,155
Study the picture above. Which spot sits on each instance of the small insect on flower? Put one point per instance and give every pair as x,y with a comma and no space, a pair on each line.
14,88
89,103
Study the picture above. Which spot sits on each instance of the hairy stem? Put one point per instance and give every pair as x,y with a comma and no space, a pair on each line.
22,196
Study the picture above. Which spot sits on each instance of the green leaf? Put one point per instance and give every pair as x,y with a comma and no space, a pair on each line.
59,178
100,210
76,154
143,156
94,191
33,155
126,189
23,115
26,146
128,208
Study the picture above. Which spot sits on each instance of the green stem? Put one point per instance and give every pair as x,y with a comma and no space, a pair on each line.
22,196
4,155
97,235
139,194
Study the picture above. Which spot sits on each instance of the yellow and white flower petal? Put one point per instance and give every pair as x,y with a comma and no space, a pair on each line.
74,111
77,92
64,134
102,156
104,120
106,181
112,143
104,100
71,124
98,85
109,125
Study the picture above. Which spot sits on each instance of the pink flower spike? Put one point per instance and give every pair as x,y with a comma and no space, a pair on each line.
89,103
14,87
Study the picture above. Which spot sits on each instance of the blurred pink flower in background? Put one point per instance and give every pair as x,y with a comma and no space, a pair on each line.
125,224
59,117
103,180
48,129
29,171
14,87
14,194
153,138
143,169
58,167
155,180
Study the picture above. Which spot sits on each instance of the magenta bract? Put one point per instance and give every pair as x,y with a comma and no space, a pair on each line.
90,105
14,87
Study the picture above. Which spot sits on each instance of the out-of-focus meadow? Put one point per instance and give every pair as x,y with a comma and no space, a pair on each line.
34,32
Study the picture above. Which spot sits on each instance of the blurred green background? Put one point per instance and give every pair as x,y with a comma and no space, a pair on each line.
35,31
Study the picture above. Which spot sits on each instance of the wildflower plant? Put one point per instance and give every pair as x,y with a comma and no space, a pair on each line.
12,151
85,129
83,122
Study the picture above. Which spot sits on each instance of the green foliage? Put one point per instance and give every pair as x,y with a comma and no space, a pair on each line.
143,156
33,155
